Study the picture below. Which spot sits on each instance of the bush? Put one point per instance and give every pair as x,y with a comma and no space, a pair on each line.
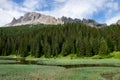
71,56
115,55
97,57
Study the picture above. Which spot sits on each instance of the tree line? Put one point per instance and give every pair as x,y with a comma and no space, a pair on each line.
55,40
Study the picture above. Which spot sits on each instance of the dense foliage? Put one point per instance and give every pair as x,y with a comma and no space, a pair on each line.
54,40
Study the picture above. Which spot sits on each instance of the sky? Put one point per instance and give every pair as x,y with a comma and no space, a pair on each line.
103,11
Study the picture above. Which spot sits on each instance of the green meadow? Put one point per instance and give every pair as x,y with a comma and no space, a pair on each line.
55,69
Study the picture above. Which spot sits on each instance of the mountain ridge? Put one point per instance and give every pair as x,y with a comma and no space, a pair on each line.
38,18
34,18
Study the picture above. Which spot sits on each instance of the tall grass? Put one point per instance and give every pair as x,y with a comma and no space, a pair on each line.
79,61
36,72
27,72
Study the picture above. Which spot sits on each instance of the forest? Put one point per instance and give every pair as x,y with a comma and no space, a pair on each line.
54,40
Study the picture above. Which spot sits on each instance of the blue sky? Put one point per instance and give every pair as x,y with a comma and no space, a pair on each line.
103,11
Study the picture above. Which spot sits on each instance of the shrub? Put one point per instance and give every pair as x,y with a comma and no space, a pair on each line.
97,57
115,55
73,56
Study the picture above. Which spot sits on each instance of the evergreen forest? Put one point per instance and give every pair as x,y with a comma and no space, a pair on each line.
54,40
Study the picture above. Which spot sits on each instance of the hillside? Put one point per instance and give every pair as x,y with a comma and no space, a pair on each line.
55,40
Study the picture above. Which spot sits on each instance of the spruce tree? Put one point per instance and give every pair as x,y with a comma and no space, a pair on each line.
103,50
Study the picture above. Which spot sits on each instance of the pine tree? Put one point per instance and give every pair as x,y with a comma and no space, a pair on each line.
103,50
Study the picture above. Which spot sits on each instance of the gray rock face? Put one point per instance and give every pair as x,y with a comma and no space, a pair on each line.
13,21
88,22
69,20
118,22
35,18
93,23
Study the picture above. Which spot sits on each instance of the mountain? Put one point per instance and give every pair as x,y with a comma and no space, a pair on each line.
38,18
88,22
35,18
118,22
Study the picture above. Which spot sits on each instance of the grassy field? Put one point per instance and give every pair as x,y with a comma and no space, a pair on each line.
79,61
28,72
47,72
37,72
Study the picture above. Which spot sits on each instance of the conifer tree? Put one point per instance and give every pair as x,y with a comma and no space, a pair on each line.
103,50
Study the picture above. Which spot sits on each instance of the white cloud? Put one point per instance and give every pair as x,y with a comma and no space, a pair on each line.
34,4
61,1
113,19
5,17
78,9
8,10
112,5
70,8
113,14
6,4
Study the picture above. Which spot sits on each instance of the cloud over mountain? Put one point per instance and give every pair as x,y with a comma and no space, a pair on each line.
100,10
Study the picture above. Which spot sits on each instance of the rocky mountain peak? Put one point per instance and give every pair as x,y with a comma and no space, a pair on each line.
31,16
13,21
35,18
93,23
38,18
88,22
118,22
69,20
